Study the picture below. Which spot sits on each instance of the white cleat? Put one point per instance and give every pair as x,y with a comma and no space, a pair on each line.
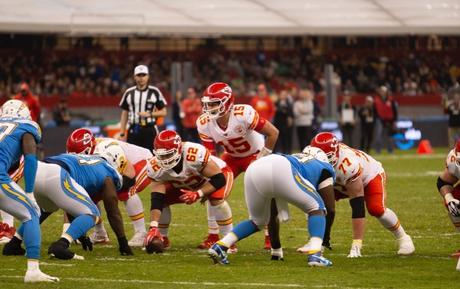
38,276
406,246
137,240
99,237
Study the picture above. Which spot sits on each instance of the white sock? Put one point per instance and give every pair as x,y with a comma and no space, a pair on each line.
390,221
7,218
32,265
224,217
99,228
213,227
135,212
228,240
315,243
65,227
165,220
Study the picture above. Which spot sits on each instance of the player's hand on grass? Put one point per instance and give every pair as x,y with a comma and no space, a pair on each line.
124,248
86,243
454,207
152,234
355,250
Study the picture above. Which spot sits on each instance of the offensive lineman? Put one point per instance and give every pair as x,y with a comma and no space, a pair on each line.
295,179
362,179
449,188
240,130
19,136
185,173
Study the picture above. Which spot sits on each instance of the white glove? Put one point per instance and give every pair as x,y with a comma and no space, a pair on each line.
355,250
264,152
453,205
33,202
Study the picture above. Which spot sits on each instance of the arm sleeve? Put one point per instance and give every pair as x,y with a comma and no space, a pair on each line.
30,171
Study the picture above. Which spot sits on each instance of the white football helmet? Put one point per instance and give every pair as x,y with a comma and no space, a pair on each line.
316,153
15,108
112,152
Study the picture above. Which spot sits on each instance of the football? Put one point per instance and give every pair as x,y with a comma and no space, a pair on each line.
156,246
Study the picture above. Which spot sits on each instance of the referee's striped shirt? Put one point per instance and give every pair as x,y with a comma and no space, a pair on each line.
135,101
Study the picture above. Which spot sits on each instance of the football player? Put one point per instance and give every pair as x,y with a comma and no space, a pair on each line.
7,229
449,188
186,173
361,178
240,131
301,180
19,136
135,180
68,182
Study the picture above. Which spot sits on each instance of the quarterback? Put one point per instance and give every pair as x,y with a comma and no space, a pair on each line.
361,178
240,131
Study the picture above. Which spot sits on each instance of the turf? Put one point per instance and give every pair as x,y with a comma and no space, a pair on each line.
412,195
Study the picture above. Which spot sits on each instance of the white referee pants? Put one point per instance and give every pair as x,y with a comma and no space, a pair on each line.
273,177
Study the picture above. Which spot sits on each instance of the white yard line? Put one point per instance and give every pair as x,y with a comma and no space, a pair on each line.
414,156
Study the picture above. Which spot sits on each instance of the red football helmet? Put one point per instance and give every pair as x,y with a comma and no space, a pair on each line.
81,141
217,99
329,144
167,147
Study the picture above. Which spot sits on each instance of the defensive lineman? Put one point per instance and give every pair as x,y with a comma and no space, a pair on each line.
19,136
295,179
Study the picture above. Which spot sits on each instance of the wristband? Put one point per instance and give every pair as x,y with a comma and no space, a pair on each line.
200,193
154,224
122,134
449,198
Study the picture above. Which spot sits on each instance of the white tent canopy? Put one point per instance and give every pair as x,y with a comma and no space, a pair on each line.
231,17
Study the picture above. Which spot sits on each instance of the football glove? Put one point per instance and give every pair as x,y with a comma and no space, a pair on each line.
355,250
152,234
190,197
453,205
86,243
124,248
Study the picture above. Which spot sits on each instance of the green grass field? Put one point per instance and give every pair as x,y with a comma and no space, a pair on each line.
412,195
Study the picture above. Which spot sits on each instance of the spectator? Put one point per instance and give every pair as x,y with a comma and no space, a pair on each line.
387,113
367,119
30,100
61,113
263,104
191,107
177,113
284,119
303,117
347,119
453,110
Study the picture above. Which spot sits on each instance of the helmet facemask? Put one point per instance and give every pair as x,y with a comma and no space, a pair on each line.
168,159
214,107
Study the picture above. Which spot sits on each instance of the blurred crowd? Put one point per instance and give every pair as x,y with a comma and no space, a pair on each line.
100,73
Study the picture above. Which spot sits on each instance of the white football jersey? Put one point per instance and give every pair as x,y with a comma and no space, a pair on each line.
133,153
239,138
451,164
194,158
353,163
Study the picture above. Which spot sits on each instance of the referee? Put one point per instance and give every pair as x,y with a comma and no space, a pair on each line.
141,106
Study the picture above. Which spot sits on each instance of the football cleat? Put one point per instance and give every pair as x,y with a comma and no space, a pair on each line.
207,243
137,240
33,276
166,243
316,260
99,237
218,254
267,243
406,246
13,248
60,249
